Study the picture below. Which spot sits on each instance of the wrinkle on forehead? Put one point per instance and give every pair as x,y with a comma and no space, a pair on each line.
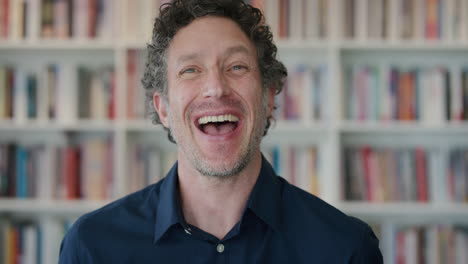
229,51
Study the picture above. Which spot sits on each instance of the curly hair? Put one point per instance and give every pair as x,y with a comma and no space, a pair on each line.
180,13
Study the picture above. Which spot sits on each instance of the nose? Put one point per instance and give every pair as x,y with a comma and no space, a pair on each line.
216,85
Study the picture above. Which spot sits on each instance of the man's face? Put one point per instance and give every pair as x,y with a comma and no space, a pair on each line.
215,108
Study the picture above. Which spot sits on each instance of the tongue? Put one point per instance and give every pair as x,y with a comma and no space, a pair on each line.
219,129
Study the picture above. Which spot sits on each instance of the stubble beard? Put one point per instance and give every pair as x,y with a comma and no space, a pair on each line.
226,170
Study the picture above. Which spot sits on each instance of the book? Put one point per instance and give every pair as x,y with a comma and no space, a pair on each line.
47,18
456,96
61,21
19,96
51,85
3,91
32,94
432,19
377,19
66,94
3,171
421,175
349,19
464,84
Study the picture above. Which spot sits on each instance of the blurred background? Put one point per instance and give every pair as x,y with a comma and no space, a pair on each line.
373,118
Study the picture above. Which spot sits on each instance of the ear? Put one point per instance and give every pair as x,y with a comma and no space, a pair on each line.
160,105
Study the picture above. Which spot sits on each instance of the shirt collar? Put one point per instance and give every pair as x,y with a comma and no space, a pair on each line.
264,201
169,210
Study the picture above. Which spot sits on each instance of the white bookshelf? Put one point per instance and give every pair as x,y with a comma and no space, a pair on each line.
330,135
409,212
72,208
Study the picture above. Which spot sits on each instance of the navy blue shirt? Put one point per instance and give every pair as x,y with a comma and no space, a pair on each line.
280,224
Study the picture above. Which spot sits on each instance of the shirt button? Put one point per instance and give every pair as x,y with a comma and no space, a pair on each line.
220,248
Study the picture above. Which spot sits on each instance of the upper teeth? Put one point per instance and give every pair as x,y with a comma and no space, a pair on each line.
219,118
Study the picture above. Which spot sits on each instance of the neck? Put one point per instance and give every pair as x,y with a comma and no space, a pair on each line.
212,204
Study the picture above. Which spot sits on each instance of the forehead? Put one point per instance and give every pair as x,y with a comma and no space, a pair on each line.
209,36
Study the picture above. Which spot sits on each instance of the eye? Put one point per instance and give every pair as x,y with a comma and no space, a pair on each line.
188,70
238,69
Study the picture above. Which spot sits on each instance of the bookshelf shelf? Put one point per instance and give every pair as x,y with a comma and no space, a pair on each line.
56,207
401,45
408,211
283,44
299,126
142,126
58,45
134,44
451,128
291,131
35,126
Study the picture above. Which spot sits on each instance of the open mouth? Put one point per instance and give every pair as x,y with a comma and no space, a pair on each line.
218,125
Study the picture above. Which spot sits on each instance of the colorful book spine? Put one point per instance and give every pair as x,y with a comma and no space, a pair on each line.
49,171
440,243
298,165
386,174
431,95
24,241
304,94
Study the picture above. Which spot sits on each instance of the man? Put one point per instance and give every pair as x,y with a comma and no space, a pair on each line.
212,75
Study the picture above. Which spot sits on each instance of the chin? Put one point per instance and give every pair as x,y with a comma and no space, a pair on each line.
221,172
223,169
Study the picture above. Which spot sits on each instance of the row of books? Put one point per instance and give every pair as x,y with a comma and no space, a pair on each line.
384,174
457,176
147,164
406,19
60,19
434,244
82,171
300,166
296,19
58,92
29,242
431,95
304,94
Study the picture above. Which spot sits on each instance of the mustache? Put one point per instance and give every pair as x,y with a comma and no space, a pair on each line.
218,103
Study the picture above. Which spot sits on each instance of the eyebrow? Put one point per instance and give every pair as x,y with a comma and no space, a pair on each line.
229,52
237,49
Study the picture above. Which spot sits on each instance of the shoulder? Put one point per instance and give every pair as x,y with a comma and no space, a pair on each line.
318,223
99,227
129,208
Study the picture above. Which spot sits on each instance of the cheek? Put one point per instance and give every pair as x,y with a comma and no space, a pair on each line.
180,100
